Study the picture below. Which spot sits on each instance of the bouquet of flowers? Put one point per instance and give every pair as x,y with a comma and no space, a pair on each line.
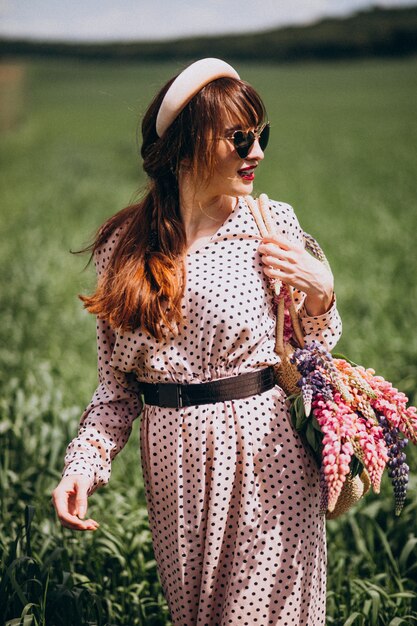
355,423
352,420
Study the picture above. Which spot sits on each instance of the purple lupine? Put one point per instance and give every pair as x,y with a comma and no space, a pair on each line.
311,363
397,467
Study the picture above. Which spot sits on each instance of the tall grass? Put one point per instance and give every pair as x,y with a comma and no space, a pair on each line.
342,152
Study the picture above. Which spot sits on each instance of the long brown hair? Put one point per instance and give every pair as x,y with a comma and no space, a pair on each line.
143,282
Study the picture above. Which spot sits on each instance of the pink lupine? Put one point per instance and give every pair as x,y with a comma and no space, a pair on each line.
393,405
409,425
353,377
387,399
337,450
375,455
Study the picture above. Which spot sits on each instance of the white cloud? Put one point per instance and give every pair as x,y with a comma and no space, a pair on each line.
6,8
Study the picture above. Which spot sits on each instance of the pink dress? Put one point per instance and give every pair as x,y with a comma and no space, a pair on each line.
232,495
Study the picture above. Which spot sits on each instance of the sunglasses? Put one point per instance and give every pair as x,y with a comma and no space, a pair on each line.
243,141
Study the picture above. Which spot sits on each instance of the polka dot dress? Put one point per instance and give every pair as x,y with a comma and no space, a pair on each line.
232,495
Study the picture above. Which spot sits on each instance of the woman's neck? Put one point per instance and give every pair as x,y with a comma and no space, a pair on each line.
201,211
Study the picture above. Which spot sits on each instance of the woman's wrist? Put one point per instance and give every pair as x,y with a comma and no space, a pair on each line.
320,303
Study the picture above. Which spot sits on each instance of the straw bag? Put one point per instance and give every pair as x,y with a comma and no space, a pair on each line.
286,372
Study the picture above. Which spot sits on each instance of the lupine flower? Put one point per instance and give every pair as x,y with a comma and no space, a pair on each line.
354,376
314,357
398,468
336,425
360,415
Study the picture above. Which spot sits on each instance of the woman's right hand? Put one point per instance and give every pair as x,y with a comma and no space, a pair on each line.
70,501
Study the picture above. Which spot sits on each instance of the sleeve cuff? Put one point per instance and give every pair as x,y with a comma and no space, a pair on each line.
315,323
80,468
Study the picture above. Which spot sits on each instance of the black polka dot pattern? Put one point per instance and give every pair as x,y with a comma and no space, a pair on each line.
232,495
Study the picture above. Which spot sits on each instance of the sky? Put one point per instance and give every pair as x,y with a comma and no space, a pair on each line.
116,20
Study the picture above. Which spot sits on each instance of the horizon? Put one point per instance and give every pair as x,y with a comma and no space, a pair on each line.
112,23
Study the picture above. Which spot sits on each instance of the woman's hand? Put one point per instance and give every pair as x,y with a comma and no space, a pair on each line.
292,264
70,501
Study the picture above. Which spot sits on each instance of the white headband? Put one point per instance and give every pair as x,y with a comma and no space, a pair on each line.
185,87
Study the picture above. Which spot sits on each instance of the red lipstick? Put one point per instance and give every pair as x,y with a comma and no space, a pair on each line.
247,173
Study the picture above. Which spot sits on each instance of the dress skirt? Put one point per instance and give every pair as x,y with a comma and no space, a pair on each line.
233,503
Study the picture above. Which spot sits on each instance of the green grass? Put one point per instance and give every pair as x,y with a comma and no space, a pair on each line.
342,152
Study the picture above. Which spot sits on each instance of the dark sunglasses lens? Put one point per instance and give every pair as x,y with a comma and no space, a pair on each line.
264,137
243,142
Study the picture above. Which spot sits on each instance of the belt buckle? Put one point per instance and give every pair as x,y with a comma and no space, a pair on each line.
170,395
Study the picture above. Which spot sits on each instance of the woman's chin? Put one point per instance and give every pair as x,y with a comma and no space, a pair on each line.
242,188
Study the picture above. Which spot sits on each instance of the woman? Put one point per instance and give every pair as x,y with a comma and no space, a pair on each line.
185,316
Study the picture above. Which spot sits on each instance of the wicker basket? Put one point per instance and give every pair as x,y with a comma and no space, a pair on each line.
352,491
286,372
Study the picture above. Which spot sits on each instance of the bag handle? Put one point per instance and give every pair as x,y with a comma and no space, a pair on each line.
261,212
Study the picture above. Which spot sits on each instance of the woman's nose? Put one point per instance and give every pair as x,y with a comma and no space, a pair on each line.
256,151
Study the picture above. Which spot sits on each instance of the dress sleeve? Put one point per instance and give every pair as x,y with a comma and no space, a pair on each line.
326,328
106,423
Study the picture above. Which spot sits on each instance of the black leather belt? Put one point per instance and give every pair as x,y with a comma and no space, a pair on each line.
175,395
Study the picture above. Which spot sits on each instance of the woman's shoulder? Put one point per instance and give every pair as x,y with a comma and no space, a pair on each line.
286,219
281,207
107,243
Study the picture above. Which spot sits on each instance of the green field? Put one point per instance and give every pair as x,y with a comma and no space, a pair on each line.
342,152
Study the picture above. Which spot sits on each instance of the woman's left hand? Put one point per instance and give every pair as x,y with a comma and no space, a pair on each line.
292,264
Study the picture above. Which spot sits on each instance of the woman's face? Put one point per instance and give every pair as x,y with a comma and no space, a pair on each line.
233,175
